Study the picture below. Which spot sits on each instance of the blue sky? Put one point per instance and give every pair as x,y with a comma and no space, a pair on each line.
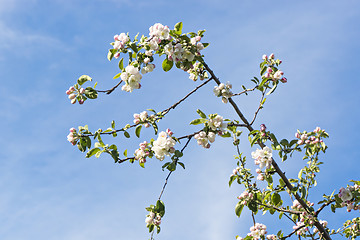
50,191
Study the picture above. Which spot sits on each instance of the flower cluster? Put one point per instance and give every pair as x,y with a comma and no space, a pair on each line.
271,71
73,136
131,77
73,93
223,91
263,157
143,118
257,231
217,123
159,32
153,218
346,196
197,71
245,197
203,139
120,41
311,138
164,145
142,152
214,125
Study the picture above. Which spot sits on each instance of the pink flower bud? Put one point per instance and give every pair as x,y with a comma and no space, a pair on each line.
198,38
147,125
72,96
297,135
117,55
81,101
73,101
264,57
272,56
269,70
71,88
283,80
68,92
267,75
136,121
169,132
262,127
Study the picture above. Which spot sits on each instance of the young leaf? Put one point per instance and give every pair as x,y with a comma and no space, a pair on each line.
138,130
92,152
201,113
238,209
126,134
167,64
121,64
178,28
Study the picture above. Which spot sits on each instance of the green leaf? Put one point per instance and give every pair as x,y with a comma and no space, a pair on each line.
125,153
178,28
181,164
275,199
198,121
167,64
201,114
117,76
84,78
121,64
91,93
113,124
138,130
238,209
263,70
206,45
92,152
126,134
111,54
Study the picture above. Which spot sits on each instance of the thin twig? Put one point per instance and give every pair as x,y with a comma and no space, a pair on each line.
322,207
181,100
245,91
260,107
112,89
168,176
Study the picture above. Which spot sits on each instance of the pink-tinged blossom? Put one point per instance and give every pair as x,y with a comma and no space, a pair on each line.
278,75
217,123
263,157
264,57
258,231
345,194
160,31
72,96
163,145
132,78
